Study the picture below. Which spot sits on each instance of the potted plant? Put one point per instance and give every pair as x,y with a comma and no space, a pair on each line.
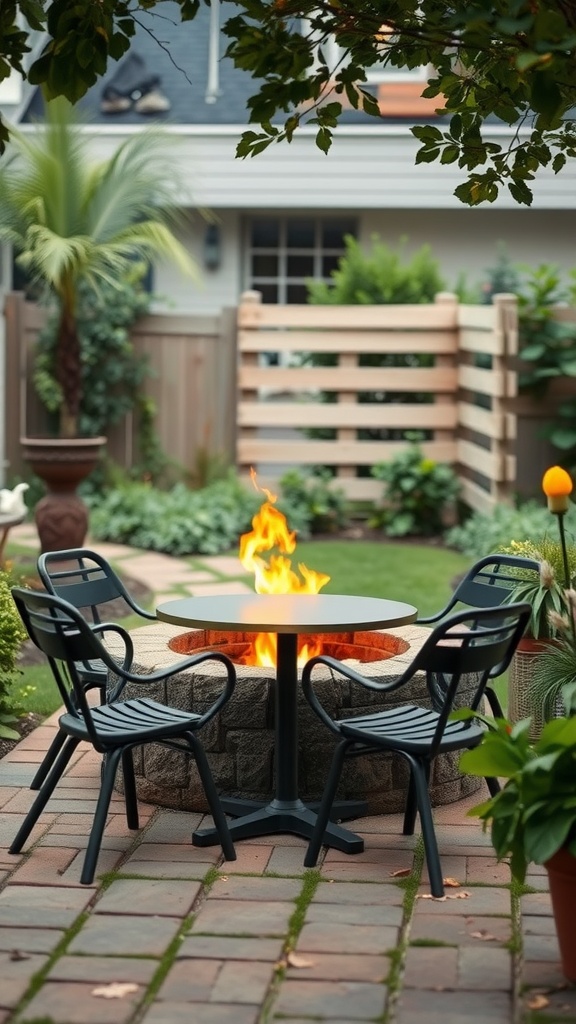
556,668
533,817
545,592
71,220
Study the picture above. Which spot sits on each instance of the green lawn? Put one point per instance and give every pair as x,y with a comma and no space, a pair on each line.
419,574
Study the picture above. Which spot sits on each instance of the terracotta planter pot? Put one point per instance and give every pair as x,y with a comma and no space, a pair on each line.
561,870
61,516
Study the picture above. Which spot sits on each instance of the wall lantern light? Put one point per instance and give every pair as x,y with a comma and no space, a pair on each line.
212,247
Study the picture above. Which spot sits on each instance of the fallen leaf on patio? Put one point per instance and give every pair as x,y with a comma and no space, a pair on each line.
299,961
441,899
222,878
401,873
451,883
17,954
115,990
537,1002
484,936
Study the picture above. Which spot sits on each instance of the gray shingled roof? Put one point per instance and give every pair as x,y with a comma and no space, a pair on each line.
178,53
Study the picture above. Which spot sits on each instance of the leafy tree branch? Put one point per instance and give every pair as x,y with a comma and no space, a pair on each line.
511,62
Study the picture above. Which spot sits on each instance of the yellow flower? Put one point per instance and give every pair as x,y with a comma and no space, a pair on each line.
557,485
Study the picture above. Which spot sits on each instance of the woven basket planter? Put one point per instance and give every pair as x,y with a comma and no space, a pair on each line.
520,677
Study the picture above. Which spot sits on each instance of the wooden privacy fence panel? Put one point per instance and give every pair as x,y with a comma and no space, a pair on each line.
193,385
283,412
487,383
248,394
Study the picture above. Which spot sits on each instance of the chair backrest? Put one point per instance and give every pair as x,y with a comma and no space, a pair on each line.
86,580
61,632
477,644
487,583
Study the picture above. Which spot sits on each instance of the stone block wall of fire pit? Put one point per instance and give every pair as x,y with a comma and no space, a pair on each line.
240,740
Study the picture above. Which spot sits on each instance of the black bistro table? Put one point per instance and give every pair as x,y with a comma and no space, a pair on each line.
287,615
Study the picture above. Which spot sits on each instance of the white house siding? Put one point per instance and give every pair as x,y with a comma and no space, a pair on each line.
370,174
366,168
216,288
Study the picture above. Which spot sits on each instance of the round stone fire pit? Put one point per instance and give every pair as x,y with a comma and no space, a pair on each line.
240,740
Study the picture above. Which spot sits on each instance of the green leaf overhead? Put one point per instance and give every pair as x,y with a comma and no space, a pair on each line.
511,62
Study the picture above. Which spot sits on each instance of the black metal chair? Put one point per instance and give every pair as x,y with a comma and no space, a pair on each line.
88,582
60,631
477,644
487,583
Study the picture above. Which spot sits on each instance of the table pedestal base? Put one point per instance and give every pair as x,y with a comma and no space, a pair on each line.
286,816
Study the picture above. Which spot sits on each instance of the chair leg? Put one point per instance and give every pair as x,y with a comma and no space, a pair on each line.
495,705
411,809
494,786
325,804
130,797
49,758
212,797
111,763
420,776
46,790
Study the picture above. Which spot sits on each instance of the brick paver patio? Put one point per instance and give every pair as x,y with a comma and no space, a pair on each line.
169,933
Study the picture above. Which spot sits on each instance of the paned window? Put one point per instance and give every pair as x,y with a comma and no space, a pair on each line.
284,252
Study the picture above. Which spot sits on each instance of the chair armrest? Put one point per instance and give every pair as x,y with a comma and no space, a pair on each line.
427,619
163,674
114,627
349,673
143,612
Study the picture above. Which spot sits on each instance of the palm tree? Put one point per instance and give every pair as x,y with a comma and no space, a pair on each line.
70,219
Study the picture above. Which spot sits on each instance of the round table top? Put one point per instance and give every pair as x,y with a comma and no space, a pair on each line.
287,613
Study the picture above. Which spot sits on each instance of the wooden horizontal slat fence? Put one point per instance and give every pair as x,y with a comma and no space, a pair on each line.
242,386
453,395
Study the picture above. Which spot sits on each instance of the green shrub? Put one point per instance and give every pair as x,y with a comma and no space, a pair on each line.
312,503
481,534
547,347
382,275
416,493
178,521
12,636
379,276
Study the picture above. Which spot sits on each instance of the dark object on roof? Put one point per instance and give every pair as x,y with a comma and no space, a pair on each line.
133,86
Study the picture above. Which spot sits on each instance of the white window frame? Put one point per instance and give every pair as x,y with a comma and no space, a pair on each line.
282,280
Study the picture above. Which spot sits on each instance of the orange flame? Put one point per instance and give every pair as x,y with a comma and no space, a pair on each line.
275,575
